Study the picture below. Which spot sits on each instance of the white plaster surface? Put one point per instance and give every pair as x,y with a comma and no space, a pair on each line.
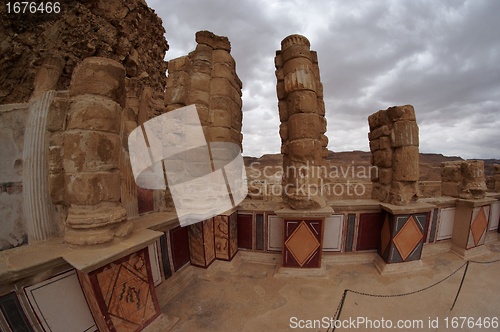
12,225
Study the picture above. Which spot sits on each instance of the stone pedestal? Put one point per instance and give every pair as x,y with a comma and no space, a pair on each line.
201,243
226,236
130,303
117,281
303,237
403,232
471,226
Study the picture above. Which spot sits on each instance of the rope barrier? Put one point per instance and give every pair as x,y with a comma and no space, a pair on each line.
466,264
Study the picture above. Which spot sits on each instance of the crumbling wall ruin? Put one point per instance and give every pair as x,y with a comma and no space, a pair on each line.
394,145
303,123
127,31
207,78
463,179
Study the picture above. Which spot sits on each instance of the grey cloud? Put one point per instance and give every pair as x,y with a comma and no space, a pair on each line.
441,56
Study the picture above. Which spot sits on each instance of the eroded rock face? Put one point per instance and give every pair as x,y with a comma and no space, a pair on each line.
126,31
303,123
207,78
463,179
394,145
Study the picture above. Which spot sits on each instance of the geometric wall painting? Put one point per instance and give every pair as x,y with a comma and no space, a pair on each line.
478,226
402,237
125,292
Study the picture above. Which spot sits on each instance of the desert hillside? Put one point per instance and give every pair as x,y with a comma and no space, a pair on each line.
430,163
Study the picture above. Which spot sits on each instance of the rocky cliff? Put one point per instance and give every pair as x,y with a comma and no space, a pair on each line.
127,31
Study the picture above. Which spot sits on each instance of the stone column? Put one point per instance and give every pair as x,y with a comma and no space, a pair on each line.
394,146
304,150
92,153
207,78
497,177
465,180
38,208
303,123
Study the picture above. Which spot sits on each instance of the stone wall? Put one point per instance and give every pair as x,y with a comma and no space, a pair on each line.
463,179
303,123
394,145
207,78
12,126
124,30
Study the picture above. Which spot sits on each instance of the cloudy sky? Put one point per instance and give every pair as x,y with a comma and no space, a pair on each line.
443,57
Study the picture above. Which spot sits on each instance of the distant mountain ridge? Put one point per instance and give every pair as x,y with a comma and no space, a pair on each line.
430,163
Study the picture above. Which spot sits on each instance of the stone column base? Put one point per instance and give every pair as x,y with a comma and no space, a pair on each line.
467,254
403,232
384,268
287,272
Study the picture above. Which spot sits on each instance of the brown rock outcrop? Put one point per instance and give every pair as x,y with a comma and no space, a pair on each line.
126,31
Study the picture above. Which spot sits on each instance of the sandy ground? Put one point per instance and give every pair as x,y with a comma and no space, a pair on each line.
246,295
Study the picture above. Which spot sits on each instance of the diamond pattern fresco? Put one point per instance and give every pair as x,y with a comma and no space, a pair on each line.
127,292
478,226
385,235
302,244
408,238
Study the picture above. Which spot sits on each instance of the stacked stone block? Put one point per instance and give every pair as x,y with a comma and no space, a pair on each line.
463,179
207,78
303,123
92,146
394,145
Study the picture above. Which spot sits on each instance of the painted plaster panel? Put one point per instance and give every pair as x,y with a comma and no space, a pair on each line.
333,233
275,233
447,220
60,305
494,215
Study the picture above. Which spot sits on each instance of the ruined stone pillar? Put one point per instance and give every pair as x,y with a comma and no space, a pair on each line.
497,177
303,123
92,153
207,78
465,180
48,75
394,146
